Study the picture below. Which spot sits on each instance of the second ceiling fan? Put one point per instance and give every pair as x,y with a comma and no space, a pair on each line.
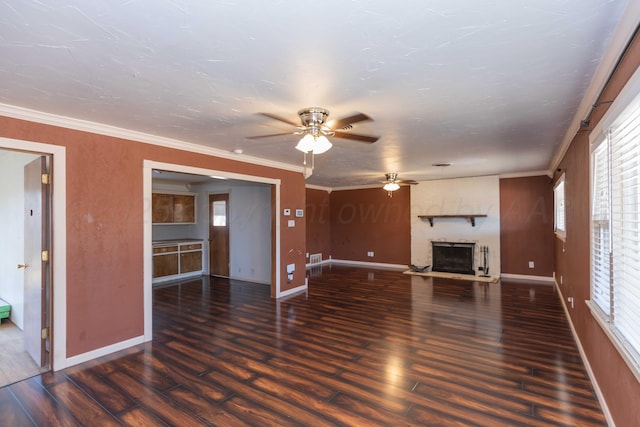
315,128
392,183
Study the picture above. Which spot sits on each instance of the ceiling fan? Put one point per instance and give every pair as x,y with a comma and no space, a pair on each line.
392,183
315,129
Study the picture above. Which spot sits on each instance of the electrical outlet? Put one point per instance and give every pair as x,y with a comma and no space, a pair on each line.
370,253
531,264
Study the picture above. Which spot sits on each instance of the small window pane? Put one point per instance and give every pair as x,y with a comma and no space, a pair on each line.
220,213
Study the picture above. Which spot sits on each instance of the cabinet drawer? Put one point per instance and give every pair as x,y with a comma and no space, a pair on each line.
163,249
191,247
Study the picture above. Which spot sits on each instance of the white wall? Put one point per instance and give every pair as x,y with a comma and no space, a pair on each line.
479,195
12,231
249,227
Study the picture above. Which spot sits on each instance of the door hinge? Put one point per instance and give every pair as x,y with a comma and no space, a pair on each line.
45,178
45,334
45,256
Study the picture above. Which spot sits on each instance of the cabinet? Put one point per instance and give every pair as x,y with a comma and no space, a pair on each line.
190,257
173,208
165,261
174,259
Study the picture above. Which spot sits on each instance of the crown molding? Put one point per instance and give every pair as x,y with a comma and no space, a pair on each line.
319,187
116,132
526,174
360,187
619,40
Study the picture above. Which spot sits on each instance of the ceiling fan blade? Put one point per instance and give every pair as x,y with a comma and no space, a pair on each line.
355,136
268,136
407,181
349,120
282,119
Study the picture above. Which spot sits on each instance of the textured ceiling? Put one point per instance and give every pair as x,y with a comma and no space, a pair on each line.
488,86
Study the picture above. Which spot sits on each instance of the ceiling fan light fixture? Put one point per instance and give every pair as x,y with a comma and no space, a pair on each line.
322,145
312,144
306,143
391,186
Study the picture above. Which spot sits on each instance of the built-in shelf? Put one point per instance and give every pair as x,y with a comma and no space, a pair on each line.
471,218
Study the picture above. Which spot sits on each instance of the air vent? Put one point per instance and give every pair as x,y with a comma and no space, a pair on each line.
315,258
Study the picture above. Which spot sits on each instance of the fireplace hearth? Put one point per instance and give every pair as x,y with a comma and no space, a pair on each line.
452,257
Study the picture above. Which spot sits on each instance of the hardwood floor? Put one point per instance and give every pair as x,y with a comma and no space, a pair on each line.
361,347
15,362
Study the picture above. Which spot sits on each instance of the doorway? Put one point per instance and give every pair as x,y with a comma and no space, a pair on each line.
269,204
25,221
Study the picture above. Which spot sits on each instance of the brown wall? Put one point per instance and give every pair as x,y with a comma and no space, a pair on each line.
619,386
105,226
318,223
369,220
526,225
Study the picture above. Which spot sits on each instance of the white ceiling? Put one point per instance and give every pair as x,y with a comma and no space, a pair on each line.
491,87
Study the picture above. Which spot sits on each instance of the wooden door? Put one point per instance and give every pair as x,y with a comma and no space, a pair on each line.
219,234
36,264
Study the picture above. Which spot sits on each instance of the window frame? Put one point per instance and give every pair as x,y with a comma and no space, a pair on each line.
627,101
560,208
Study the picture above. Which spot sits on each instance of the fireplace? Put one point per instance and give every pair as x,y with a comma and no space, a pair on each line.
452,257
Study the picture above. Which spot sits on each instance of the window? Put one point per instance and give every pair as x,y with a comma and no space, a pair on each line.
558,208
600,242
220,213
615,229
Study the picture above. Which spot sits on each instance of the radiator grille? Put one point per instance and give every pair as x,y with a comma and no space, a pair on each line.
315,258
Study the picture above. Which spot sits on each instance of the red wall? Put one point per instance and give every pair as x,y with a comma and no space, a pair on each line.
369,221
105,226
619,386
318,222
526,225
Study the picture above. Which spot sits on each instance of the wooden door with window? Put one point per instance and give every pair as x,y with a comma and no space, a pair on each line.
219,235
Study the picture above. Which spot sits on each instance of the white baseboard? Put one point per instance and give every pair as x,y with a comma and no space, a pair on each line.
526,277
295,290
99,352
583,356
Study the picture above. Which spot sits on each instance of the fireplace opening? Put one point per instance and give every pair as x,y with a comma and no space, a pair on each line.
452,257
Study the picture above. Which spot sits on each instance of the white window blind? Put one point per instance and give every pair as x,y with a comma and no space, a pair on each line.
615,228
625,227
600,242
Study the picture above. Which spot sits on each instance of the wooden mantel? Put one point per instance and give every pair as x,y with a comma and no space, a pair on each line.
471,218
